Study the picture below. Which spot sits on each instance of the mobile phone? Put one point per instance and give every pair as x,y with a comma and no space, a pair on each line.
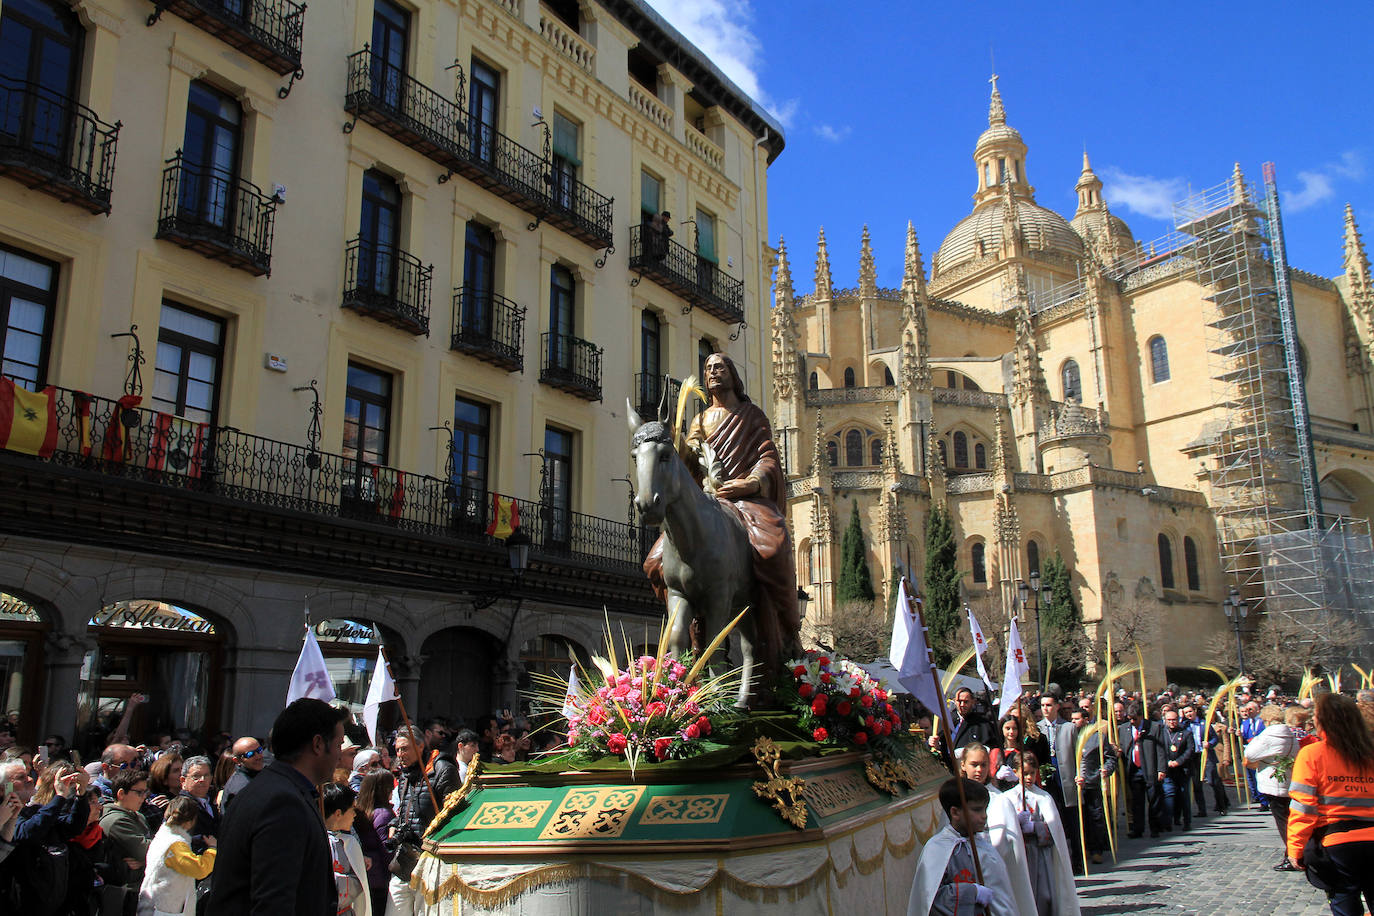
43,754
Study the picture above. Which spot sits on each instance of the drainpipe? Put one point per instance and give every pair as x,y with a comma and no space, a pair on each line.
758,266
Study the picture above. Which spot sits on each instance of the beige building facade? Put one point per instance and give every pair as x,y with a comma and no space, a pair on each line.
383,262
1059,386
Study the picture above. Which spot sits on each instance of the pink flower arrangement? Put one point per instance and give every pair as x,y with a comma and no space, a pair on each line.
837,702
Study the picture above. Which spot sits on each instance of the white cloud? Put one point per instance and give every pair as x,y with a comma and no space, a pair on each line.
833,134
1317,185
723,31
1143,194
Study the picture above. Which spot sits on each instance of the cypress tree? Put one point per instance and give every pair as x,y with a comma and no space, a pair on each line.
856,582
1061,621
941,587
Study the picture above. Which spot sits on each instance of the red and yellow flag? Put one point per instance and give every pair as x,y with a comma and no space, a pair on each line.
505,516
28,419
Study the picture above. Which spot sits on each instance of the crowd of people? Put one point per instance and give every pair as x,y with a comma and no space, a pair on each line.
1035,778
174,828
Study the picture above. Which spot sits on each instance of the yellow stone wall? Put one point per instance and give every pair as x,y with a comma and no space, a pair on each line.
114,273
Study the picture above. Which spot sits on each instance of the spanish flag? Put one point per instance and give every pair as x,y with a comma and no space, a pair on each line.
28,419
505,516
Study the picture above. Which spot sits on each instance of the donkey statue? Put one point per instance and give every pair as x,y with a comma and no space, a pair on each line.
707,565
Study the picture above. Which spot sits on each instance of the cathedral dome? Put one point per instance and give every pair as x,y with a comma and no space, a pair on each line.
980,233
1000,158
1105,232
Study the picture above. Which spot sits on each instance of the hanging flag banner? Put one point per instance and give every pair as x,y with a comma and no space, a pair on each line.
28,419
505,516
910,655
381,690
311,677
1017,668
569,705
980,646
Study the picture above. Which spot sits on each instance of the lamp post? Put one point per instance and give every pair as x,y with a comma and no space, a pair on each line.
1236,610
1024,592
803,599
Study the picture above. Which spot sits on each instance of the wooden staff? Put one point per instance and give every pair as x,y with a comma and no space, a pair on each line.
944,728
410,732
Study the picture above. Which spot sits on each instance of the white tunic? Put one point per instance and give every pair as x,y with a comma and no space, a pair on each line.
1050,865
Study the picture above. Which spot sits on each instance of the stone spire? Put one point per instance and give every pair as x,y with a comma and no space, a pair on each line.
1089,188
999,446
1240,196
824,288
892,459
868,271
820,466
1028,376
1356,260
782,287
914,273
935,467
1013,241
997,112
785,363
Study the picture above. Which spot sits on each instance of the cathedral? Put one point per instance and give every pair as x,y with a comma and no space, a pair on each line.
1058,386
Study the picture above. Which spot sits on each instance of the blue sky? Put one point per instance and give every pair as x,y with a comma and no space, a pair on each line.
884,101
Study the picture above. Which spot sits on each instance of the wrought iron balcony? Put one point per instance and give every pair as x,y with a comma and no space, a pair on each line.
571,364
399,105
218,214
388,284
489,327
108,438
56,145
681,270
649,394
269,31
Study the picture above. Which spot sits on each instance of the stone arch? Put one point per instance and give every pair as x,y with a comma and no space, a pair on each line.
878,372
945,377
461,614
58,597
1349,492
378,609
583,629
977,552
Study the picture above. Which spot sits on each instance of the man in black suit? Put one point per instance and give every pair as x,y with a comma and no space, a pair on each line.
1142,751
273,849
971,725
1179,760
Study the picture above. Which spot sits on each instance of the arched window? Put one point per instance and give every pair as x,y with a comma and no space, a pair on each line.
1073,384
980,457
804,567
1032,557
887,377
1190,565
960,450
1159,360
853,448
1166,562
849,377
832,452
875,451
978,556
814,381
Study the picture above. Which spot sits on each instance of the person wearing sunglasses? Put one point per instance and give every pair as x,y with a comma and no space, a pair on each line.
115,759
249,760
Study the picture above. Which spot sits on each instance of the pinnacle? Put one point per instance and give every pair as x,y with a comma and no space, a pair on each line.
1356,260
868,272
997,112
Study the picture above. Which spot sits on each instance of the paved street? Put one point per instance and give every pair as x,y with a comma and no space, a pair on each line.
1219,868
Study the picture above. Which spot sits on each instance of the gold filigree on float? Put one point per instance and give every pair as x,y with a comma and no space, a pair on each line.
785,792
833,793
592,814
508,815
889,775
684,809
453,803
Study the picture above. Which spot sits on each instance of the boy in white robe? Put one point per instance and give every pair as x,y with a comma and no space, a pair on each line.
1003,828
1047,850
946,881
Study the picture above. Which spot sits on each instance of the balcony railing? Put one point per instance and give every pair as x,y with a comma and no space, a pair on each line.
388,284
571,364
56,145
218,214
681,270
269,31
417,116
115,439
489,327
649,393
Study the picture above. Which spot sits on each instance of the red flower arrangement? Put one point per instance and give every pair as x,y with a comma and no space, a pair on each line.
837,702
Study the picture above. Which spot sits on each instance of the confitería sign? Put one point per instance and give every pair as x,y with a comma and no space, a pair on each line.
152,615
17,609
350,631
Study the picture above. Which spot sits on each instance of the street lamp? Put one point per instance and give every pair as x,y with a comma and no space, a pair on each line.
1236,610
803,599
518,552
1024,591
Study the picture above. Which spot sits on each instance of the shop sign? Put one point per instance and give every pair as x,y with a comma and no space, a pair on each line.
17,610
356,632
152,615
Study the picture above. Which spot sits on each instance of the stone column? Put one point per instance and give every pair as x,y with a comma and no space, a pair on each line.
407,673
64,653
257,680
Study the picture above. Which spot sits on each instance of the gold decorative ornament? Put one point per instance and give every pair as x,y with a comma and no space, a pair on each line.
592,814
455,799
684,809
785,792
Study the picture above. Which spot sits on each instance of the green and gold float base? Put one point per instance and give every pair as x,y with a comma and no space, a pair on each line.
831,835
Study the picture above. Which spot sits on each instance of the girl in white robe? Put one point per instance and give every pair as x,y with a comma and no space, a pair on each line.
1003,829
1047,851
